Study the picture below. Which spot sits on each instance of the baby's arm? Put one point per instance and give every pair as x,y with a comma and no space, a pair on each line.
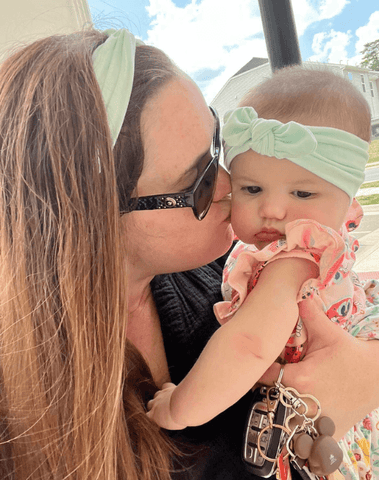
240,351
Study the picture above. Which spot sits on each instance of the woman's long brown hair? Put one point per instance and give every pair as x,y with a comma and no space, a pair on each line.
72,388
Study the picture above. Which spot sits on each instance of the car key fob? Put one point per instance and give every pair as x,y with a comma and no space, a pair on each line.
271,441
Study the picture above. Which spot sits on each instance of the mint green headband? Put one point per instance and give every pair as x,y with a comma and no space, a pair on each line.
337,156
113,62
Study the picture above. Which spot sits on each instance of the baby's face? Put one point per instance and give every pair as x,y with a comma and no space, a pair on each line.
268,193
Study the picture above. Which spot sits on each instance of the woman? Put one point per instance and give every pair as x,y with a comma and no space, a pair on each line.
86,313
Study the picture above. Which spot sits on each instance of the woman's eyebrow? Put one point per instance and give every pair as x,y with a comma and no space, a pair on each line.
197,163
195,166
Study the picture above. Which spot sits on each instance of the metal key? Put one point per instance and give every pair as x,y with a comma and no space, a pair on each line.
265,422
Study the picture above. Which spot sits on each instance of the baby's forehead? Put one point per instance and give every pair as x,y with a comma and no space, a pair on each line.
252,166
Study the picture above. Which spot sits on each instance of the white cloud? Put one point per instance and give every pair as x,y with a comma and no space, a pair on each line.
331,8
307,12
368,33
223,35
304,14
317,46
330,47
235,60
207,34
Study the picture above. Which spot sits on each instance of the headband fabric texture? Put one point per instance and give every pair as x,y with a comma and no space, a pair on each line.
113,62
334,155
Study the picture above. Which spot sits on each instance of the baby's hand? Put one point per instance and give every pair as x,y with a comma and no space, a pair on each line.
159,408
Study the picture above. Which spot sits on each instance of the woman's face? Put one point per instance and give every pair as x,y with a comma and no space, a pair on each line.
177,131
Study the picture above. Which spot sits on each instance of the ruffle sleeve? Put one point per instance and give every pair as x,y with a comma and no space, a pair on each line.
305,239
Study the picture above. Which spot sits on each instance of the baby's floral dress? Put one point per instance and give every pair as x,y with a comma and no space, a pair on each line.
352,304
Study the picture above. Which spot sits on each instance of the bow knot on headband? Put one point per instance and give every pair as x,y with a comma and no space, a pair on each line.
268,137
337,156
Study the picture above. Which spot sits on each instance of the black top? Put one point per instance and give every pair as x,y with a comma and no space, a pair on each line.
185,306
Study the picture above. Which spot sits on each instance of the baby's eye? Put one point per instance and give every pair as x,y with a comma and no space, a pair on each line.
301,194
253,190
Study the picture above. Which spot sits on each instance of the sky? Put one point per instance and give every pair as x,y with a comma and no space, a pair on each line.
212,39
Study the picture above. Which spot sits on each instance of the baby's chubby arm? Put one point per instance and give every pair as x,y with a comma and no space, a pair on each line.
240,351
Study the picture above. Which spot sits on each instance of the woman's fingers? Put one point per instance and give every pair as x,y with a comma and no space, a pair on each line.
321,331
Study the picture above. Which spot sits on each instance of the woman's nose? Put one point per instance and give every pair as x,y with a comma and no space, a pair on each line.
223,186
272,208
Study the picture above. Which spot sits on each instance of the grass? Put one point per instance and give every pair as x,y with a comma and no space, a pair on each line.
373,157
369,199
372,199
370,184
373,151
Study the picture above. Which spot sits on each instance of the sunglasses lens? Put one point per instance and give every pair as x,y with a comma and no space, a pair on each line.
203,195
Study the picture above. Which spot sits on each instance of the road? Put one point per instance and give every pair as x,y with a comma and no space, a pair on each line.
370,221
372,174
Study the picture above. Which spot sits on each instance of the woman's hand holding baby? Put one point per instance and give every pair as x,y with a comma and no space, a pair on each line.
338,369
159,408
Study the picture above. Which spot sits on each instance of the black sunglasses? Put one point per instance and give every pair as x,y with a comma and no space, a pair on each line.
199,197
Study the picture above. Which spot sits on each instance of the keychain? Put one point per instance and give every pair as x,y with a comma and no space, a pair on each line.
317,446
272,442
311,441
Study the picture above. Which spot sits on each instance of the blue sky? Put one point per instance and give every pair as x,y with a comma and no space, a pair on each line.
212,39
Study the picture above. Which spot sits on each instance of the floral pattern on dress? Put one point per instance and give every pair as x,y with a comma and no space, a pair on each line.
352,304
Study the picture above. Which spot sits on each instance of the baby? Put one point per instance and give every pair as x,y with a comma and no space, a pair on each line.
296,149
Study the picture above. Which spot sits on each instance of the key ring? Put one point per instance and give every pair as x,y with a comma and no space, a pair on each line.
291,398
282,427
296,403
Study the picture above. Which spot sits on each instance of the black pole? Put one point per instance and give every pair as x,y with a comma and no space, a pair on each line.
280,33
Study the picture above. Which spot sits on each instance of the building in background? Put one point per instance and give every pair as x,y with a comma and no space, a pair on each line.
23,21
258,69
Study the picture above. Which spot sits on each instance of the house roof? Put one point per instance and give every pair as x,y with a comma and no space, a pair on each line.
253,63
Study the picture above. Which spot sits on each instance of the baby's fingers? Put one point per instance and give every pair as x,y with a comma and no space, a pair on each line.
167,385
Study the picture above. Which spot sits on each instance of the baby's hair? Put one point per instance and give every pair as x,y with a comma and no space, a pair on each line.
312,96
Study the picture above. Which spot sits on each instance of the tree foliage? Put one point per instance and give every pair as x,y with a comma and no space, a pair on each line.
371,55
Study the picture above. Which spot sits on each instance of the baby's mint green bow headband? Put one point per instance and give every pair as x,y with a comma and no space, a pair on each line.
113,62
337,156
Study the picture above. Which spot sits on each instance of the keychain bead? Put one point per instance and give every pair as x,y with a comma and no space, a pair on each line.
325,426
326,456
302,445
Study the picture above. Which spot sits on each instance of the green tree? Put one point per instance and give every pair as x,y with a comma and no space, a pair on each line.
371,55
